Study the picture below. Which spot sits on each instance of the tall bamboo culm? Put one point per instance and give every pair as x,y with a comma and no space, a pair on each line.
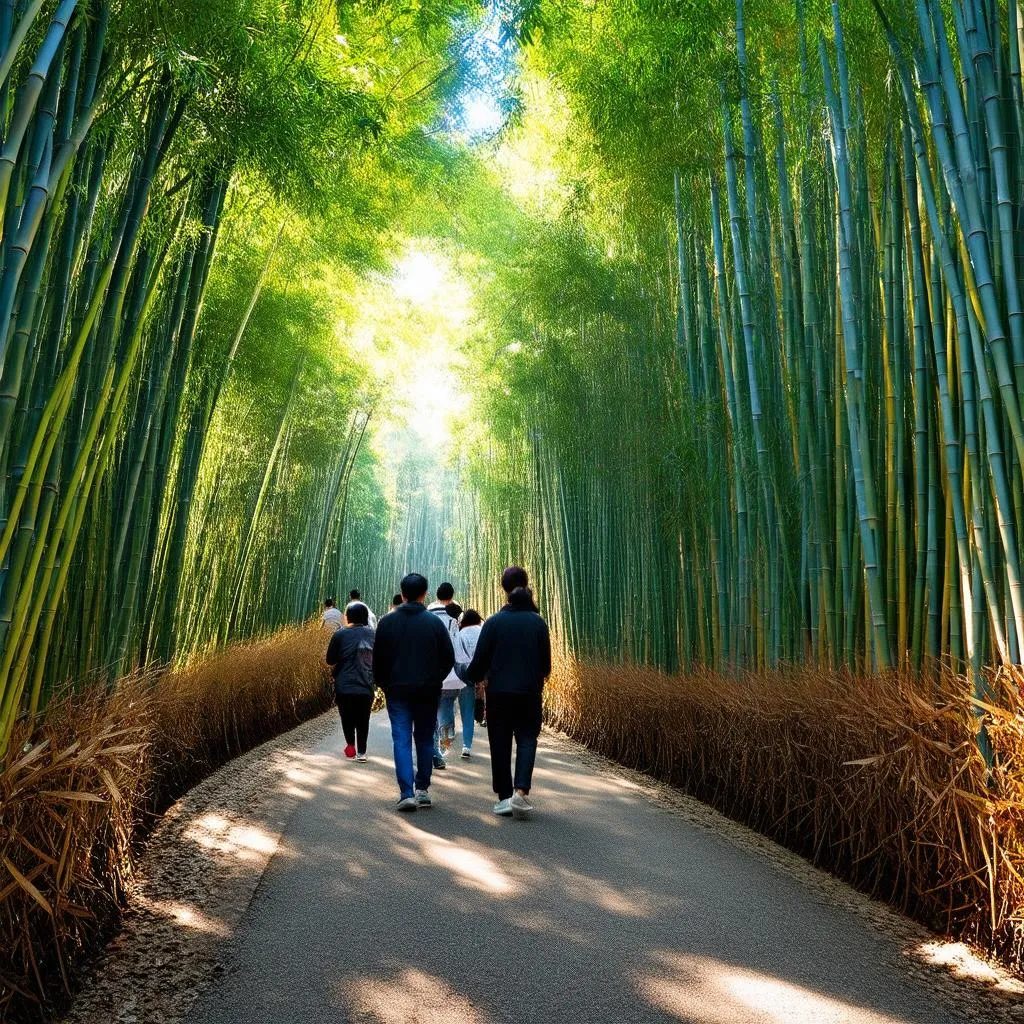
837,340
128,534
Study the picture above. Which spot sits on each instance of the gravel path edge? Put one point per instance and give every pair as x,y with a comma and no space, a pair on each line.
196,877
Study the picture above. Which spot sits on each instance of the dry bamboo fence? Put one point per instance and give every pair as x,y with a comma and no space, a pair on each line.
877,779
81,790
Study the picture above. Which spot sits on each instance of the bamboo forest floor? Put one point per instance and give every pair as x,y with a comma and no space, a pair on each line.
286,888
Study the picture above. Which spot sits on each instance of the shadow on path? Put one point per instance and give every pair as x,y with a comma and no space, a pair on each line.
604,908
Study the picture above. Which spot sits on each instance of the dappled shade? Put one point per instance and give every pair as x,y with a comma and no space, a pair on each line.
708,313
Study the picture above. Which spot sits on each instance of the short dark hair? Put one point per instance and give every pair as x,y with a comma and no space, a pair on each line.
414,586
354,595
445,592
470,617
454,610
514,576
357,614
329,602
396,600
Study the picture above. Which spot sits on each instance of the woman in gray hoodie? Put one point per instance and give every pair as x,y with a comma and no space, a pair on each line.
350,657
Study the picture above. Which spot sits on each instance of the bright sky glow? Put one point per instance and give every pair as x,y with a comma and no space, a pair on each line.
479,111
434,398
418,277
409,329
429,393
482,116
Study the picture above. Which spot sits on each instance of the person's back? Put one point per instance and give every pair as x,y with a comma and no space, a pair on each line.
412,653
447,612
466,643
514,655
469,700
355,597
351,652
445,594
332,617
350,657
515,645
443,615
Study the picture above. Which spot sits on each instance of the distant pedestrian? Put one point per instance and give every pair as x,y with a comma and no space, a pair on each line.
451,689
353,597
465,647
412,655
446,703
513,654
350,656
331,618
396,602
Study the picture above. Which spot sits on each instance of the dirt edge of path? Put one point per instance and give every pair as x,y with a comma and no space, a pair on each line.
195,880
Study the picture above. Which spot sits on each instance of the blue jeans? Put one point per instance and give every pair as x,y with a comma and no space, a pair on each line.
467,708
445,717
413,717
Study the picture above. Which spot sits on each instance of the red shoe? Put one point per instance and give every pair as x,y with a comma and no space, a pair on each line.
350,752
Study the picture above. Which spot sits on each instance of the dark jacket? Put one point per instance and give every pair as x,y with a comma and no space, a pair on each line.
412,652
513,653
350,655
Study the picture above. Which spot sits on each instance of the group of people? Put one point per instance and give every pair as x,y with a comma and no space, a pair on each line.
428,660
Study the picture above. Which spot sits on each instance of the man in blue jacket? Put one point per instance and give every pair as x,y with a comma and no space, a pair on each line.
412,653
514,655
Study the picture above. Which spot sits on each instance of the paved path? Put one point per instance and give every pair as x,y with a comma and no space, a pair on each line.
605,908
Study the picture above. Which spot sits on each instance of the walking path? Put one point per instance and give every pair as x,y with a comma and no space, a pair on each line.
608,907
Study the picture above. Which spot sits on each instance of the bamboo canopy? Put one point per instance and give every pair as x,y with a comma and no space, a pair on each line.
184,192
747,361
795,432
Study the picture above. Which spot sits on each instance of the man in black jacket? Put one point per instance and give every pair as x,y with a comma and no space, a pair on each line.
412,653
514,655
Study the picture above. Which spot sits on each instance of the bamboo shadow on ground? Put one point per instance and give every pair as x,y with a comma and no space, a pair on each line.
601,909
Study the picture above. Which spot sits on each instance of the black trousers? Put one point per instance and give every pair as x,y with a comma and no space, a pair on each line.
513,716
355,717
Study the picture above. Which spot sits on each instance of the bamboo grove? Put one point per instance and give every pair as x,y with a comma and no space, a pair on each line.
771,410
748,371
182,187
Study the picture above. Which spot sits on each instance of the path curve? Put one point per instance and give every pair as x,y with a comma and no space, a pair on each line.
610,906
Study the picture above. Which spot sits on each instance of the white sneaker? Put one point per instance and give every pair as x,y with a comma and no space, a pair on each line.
361,757
422,798
520,806
466,753
503,808
406,804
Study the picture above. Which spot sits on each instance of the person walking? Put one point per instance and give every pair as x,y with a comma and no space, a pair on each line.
513,654
355,597
465,647
412,654
350,657
452,684
331,618
451,690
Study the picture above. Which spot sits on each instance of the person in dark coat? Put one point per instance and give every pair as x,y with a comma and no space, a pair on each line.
513,654
350,657
412,654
